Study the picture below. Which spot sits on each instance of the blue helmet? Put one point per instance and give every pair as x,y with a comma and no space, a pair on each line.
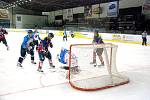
30,31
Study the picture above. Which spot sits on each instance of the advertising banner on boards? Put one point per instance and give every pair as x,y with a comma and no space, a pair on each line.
112,9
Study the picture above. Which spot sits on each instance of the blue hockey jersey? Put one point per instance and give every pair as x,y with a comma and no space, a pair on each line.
26,41
62,56
65,33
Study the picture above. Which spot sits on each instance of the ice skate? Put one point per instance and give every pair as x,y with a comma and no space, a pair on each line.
40,70
94,64
102,64
33,62
19,65
7,48
52,66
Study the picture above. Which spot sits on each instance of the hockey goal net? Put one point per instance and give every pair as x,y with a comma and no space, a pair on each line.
89,76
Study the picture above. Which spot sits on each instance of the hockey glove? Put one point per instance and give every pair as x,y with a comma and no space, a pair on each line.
32,44
29,49
51,45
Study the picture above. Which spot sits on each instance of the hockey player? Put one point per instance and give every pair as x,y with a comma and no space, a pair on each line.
27,47
65,35
144,38
2,37
63,57
44,52
97,40
72,34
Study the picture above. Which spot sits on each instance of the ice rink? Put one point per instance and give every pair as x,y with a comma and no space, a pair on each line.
133,60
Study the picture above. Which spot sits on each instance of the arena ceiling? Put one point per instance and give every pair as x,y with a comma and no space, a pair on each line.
48,5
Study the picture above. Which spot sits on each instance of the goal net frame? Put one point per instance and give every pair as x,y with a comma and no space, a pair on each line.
110,63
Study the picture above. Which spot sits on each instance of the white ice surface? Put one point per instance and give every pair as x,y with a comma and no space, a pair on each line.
27,84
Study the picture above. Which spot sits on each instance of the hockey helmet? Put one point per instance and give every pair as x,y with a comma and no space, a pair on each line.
96,33
30,31
50,35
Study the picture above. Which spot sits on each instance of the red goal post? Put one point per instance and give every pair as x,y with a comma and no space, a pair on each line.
89,77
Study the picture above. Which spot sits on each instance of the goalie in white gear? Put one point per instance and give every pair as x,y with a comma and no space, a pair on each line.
63,57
